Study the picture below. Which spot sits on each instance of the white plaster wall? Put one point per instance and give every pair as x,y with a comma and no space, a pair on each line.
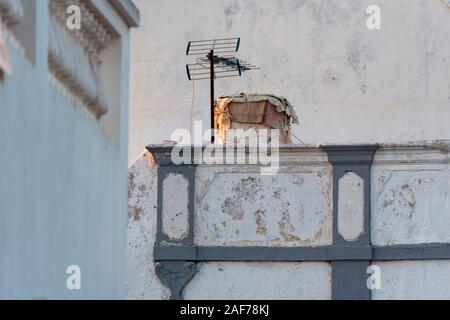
409,205
175,212
238,280
141,281
239,207
347,83
249,281
351,206
63,183
413,280
409,196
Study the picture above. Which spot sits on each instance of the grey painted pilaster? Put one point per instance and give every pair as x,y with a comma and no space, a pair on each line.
349,277
175,275
349,280
187,172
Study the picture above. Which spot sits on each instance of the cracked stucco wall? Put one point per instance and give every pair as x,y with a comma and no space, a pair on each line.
414,280
411,205
241,207
141,281
390,85
248,281
236,206
410,197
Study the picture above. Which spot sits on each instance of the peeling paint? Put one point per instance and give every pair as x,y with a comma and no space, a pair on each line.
232,208
175,213
261,226
273,210
141,281
134,212
410,203
286,228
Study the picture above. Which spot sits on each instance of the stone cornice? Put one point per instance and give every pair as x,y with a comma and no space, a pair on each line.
128,12
351,154
407,153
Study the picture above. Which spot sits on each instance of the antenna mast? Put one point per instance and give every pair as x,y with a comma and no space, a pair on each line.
214,66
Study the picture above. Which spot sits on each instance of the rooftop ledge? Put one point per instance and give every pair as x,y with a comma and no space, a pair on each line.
414,152
443,145
128,11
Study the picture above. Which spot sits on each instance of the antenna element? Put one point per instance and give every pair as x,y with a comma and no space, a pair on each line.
211,66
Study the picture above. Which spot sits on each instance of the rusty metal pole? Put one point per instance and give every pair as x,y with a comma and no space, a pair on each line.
211,62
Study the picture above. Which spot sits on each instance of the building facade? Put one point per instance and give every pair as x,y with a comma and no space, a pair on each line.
64,145
358,210
348,84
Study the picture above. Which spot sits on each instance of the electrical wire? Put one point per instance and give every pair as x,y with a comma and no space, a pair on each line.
284,95
192,107
296,138
272,82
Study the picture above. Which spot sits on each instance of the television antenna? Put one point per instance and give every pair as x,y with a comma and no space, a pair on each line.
209,65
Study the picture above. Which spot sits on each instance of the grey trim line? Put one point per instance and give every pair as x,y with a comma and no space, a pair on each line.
423,251
261,253
435,251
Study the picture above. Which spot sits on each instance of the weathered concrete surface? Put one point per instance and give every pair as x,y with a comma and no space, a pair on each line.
266,211
235,206
311,178
141,281
347,83
248,281
414,280
410,195
351,206
175,214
